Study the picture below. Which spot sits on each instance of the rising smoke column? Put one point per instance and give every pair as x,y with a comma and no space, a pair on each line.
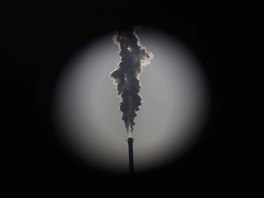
126,75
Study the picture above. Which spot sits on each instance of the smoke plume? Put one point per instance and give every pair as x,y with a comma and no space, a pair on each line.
133,57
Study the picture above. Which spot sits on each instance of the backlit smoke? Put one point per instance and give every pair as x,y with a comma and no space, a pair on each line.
126,75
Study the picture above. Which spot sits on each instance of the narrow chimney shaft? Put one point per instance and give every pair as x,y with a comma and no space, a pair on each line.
130,155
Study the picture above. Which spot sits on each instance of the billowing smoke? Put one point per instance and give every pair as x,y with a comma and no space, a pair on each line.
126,75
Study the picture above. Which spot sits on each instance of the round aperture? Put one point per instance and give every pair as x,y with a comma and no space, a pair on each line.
175,104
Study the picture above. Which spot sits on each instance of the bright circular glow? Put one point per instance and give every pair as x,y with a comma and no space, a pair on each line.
174,93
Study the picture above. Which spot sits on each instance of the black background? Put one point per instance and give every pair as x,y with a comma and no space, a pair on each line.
38,39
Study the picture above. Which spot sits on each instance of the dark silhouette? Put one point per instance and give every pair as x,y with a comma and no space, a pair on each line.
130,155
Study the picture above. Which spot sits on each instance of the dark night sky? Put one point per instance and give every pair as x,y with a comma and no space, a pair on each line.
35,44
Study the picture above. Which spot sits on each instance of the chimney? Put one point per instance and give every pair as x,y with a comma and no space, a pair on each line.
130,153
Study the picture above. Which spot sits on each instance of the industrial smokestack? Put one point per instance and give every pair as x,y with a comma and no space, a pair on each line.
133,57
130,153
